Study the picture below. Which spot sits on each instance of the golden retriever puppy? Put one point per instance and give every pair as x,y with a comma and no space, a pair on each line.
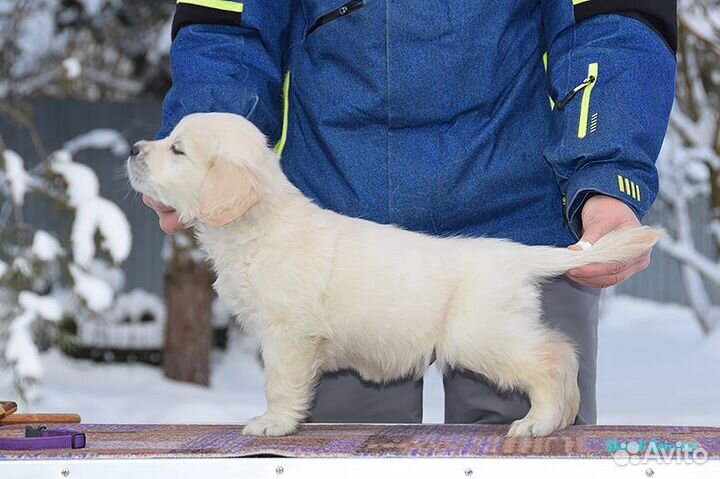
323,292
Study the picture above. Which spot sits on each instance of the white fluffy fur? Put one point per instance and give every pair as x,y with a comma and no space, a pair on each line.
322,291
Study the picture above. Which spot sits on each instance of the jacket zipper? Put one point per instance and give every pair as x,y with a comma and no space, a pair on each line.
349,7
585,83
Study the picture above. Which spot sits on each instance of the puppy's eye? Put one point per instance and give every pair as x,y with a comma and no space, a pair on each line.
177,150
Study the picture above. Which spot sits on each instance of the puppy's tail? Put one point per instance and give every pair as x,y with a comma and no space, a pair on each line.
614,247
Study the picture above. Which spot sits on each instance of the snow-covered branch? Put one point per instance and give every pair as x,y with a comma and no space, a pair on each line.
689,162
33,286
685,254
85,49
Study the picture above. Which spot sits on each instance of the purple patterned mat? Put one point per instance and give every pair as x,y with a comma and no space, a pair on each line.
358,440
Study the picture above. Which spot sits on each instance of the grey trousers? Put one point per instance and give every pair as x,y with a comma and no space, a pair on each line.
469,398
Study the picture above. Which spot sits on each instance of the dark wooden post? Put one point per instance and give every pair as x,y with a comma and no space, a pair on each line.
188,330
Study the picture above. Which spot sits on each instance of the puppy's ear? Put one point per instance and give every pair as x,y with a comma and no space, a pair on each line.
228,192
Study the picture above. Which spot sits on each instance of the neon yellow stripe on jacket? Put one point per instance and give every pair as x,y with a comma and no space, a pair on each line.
585,105
226,5
545,64
286,106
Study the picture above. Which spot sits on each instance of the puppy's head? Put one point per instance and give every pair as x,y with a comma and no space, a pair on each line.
209,168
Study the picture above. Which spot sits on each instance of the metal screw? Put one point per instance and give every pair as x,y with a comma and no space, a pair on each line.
65,472
279,470
649,472
468,472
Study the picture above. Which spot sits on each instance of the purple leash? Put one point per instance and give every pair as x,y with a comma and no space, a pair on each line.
44,438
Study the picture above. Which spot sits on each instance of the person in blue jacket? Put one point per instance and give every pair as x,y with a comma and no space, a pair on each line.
534,120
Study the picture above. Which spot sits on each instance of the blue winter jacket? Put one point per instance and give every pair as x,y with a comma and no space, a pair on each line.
440,116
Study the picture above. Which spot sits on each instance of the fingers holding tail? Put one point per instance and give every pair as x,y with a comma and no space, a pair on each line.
617,246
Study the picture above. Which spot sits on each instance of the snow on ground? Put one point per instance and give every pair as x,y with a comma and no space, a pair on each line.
655,367
122,393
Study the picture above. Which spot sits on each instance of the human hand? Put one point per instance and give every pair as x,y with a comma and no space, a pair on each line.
601,215
169,221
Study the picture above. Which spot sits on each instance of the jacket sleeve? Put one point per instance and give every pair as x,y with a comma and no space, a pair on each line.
227,56
611,74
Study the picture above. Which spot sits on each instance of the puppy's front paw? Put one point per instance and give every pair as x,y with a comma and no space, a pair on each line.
271,425
532,427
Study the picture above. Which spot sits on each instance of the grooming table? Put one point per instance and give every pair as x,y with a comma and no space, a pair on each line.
347,451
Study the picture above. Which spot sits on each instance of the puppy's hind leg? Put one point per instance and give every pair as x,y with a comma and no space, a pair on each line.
290,378
509,345
552,388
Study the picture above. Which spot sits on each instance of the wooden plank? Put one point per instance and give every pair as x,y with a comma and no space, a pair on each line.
7,408
40,418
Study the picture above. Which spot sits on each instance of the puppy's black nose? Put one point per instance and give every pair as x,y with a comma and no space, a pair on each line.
134,151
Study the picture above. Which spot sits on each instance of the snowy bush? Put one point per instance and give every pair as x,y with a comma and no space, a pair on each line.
689,163
84,48
136,321
45,276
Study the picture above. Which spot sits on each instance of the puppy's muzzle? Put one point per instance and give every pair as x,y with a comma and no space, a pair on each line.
136,164
135,150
